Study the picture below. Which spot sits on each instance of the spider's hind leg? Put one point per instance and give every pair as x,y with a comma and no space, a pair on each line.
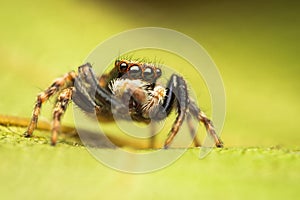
192,129
59,109
201,117
56,86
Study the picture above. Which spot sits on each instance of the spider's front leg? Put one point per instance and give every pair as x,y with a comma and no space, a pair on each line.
56,86
176,93
91,97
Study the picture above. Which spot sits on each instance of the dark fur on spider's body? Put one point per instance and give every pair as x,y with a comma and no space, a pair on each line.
128,91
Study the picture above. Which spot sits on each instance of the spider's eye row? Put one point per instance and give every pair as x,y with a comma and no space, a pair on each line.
123,66
135,71
148,74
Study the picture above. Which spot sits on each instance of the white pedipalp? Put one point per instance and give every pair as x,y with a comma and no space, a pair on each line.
155,98
151,99
119,87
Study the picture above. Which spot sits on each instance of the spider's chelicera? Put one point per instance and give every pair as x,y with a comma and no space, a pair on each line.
129,91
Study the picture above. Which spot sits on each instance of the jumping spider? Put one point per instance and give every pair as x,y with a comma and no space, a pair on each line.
128,90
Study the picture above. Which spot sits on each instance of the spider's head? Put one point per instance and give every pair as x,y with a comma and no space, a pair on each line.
137,70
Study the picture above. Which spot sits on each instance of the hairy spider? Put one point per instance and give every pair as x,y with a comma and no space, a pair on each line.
128,90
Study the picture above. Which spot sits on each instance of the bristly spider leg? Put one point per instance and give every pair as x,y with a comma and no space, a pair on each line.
176,92
86,85
201,117
192,129
88,99
56,86
61,106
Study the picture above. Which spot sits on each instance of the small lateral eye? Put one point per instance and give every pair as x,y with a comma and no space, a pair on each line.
158,73
123,66
148,74
117,62
135,71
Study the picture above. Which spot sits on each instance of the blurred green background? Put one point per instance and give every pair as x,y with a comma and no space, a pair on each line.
255,45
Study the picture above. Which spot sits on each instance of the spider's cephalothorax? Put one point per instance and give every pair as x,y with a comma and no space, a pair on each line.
129,90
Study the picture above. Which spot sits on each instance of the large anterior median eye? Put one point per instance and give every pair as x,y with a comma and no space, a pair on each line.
148,74
135,71
123,67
